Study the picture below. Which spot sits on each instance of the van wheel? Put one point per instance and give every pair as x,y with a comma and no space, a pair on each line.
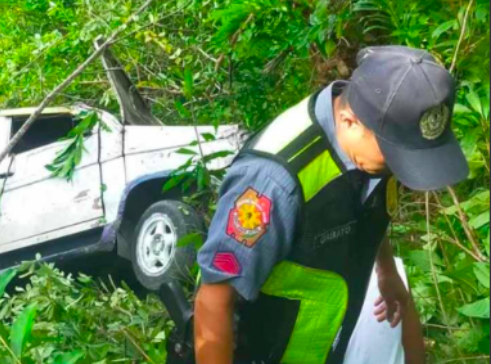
155,254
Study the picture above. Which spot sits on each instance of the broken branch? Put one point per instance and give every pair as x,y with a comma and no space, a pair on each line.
34,116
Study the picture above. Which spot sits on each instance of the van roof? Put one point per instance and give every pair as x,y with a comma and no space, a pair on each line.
27,111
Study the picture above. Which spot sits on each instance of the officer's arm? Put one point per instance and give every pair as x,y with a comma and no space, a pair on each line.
252,230
213,325
385,259
394,298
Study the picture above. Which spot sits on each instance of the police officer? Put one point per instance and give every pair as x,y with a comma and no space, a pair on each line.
304,210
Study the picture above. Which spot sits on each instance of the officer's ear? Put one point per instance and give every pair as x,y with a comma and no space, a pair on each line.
349,121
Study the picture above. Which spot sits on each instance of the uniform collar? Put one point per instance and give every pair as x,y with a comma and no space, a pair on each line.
324,112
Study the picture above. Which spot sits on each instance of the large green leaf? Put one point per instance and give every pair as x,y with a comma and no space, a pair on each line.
482,273
475,102
21,329
465,277
69,358
208,137
186,151
174,181
421,259
478,202
478,309
480,220
5,279
461,109
443,28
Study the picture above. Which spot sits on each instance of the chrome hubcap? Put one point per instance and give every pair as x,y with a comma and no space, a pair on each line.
156,245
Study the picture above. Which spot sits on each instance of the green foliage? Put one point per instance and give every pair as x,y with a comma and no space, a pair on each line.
69,358
5,278
70,157
21,330
220,62
478,309
263,72
59,319
449,264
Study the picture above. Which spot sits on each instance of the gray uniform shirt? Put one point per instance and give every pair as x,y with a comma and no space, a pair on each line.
277,198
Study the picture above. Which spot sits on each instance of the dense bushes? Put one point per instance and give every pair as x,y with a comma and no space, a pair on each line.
244,62
60,319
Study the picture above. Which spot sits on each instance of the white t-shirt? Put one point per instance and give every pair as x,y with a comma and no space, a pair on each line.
373,342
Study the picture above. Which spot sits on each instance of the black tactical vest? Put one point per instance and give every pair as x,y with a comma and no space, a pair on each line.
309,306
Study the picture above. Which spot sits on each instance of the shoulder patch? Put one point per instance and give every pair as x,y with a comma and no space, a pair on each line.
392,200
250,218
227,262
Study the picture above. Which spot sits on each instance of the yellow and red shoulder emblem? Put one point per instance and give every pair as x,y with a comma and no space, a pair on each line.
392,199
249,219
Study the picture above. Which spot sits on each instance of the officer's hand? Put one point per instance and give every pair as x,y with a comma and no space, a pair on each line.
394,298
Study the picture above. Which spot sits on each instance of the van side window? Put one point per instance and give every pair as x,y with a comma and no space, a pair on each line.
44,131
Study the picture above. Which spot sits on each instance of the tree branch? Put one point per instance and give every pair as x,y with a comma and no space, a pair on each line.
476,255
432,264
465,224
462,34
34,116
483,357
233,41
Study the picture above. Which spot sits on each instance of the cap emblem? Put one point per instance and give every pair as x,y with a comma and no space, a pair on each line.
434,121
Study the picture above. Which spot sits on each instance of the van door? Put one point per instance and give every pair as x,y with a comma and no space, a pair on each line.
37,207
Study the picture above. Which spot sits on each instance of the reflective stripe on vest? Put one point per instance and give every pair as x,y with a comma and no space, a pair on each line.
285,129
279,136
323,300
318,174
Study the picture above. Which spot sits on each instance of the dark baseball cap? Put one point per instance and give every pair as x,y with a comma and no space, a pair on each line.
407,98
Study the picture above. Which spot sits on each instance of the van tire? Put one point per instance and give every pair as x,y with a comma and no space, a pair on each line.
155,254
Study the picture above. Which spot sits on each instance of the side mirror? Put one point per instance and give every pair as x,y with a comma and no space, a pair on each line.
7,167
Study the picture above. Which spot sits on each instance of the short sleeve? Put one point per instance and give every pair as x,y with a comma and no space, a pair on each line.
253,228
